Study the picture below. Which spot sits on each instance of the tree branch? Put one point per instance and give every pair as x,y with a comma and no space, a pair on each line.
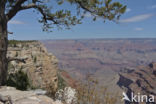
2,3
17,59
14,10
83,7
17,7
40,9
33,5
10,32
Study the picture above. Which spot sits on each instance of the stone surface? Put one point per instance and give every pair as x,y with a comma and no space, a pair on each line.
25,97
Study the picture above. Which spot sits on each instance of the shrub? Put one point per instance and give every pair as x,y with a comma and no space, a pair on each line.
16,54
35,59
61,82
18,80
90,92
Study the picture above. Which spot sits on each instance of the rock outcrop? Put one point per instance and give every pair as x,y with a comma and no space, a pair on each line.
40,66
25,97
141,80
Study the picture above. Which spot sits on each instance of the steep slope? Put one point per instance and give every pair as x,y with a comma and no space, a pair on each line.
40,66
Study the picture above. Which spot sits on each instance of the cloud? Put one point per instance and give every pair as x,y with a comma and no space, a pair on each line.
128,10
88,15
136,18
139,29
16,22
152,7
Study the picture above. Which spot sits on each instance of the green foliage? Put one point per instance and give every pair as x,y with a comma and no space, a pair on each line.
16,54
61,17
15,42
35,59
18,80
10,66
61,82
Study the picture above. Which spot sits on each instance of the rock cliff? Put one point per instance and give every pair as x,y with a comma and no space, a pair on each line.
140,80
40,66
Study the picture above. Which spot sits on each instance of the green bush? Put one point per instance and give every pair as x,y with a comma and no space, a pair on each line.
35,59
61,82
16,54
18,80
20,41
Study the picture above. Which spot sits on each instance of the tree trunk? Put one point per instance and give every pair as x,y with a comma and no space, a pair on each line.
3,46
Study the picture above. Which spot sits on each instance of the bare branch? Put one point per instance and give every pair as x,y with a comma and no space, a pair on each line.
10,32
33,5
15,9
83,7
17,59
40,9
52,19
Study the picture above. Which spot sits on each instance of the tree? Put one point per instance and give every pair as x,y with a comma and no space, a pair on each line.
51,18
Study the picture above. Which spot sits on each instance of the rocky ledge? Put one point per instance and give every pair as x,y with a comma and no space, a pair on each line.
24,97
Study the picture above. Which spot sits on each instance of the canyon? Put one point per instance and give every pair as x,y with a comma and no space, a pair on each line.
113,62
119,65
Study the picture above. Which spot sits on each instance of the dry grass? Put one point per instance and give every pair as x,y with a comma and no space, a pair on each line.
89,92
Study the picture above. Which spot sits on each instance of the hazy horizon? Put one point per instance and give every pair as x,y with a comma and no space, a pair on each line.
140,38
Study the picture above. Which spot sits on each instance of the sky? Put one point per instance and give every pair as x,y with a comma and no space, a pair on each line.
139,21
